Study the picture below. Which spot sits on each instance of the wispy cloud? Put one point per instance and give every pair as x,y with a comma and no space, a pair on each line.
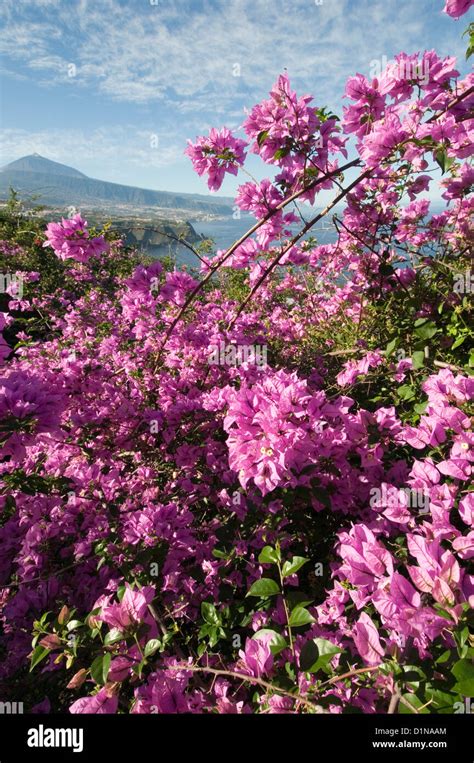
178,68
185,52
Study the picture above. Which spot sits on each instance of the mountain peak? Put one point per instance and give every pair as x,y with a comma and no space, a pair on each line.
37,163
58,184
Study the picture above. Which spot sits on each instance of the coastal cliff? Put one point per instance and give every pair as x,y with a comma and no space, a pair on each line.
156,234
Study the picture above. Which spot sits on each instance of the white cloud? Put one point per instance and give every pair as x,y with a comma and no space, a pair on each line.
184,52
169,67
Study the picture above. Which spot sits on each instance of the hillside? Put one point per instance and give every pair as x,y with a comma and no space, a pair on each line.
60,185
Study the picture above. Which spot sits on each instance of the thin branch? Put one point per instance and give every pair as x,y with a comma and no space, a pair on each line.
242,239
367,173
179,240
296,238
351,673
247,678
394,700
440,364
413,709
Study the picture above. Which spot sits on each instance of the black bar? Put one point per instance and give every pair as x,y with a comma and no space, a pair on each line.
305,737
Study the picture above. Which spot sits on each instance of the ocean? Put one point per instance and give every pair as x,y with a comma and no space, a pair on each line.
224,232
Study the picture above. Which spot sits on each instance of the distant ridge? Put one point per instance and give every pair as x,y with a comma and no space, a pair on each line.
58,184
37,163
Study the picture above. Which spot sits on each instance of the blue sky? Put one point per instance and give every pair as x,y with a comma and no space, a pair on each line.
115,87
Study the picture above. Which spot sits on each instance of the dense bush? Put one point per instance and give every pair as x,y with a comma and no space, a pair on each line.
248,490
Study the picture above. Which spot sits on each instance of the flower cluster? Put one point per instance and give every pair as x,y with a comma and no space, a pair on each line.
71,241
217,154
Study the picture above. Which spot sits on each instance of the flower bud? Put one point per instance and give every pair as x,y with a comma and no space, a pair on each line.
63,615
51,641
78,679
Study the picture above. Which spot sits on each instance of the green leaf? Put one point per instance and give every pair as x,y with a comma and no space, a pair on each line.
418,359
413,675
459,341
113,636
269,555
427,330
443,612
73,624
39,654
121,592
309,657
317,654
151,647
278,642
463,635
290,669
406,392
442,158
297,597
323,115
300,616
442,702
100,668
262,136
264,587
391,346
289,568
281,152
420,407
213,635
209,613
218,554
463,671
444,657
470,33
413,701
204,630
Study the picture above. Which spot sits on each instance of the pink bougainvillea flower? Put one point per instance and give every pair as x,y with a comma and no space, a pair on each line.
459,468
457,8
101,703
257,658
215,155
70,240
131,610
367,641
